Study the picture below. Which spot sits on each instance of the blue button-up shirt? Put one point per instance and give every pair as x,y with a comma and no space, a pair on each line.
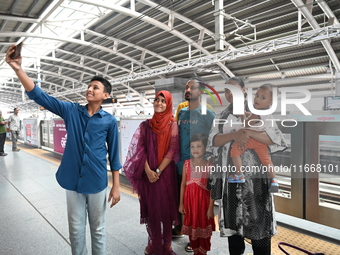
89,139
191,122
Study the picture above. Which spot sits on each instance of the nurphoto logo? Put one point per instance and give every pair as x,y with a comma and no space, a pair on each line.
238,105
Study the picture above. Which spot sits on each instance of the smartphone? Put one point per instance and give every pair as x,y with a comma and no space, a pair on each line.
17,51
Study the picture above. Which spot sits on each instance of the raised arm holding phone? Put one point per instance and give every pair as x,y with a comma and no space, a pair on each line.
92,134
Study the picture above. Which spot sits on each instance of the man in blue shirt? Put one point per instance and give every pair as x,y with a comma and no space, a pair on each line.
92,133
191,121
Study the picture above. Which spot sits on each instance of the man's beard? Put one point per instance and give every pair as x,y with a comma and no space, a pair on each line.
187,97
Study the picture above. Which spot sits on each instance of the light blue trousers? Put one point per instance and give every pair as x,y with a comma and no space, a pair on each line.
78,207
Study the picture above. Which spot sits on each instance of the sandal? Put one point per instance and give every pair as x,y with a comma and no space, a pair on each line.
188,248
234,178
146,253
147,250
175,234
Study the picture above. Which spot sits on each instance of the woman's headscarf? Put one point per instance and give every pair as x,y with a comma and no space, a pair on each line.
161,123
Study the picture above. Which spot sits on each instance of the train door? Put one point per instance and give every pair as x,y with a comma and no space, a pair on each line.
290,198
322,173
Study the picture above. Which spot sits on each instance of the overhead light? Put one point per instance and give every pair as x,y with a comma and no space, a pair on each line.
129,97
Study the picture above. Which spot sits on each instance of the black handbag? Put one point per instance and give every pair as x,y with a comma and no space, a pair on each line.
297,248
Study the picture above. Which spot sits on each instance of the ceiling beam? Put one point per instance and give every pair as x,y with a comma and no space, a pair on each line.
329,13
70,40
315,25
93,59
18,19
67,91
294,80
262,48
156,23
186,20
168,61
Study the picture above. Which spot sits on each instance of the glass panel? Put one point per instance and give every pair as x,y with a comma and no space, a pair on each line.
44,133
329,173
50,124
282,163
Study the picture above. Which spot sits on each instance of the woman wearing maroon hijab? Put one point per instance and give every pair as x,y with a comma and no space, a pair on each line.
151,169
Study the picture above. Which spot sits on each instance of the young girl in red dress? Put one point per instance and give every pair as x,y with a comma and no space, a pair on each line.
195,201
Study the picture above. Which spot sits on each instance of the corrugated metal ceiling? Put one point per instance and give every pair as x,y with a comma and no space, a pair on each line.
78,39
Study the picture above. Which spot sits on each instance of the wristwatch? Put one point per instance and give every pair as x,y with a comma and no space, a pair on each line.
158,171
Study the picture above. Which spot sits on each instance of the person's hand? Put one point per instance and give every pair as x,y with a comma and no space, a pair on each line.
242,116
152,175
16,62
210,213
114,196
211,161
181,209
241,137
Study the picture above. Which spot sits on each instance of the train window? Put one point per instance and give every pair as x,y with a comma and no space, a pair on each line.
282,162
329,172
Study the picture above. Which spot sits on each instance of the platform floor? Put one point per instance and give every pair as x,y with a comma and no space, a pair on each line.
33,214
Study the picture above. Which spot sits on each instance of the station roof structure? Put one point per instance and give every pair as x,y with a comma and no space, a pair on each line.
133,43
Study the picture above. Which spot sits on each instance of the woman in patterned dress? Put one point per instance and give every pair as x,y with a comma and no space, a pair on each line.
246,210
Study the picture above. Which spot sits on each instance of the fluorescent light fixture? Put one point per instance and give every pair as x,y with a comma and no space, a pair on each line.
129,97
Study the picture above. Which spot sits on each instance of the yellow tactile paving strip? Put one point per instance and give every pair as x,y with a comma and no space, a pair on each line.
47,155
309,243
